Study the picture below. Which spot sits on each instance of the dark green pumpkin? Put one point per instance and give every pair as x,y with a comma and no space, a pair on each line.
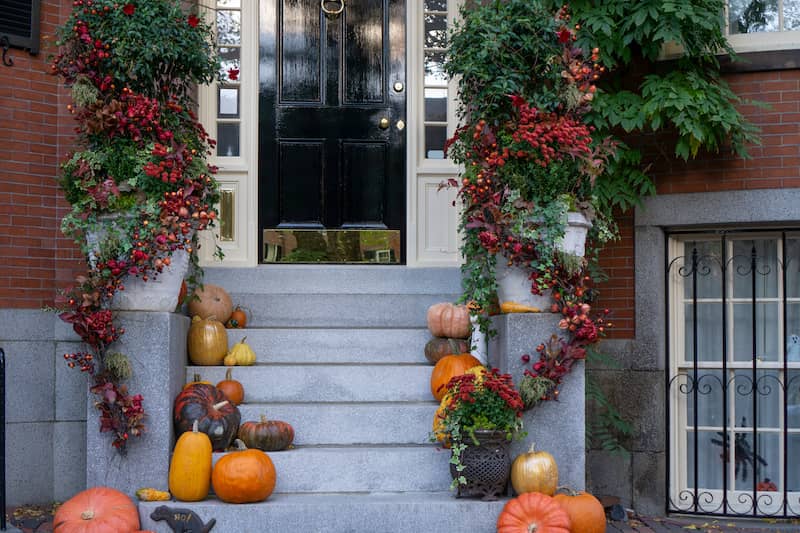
438,347
267,435
216,416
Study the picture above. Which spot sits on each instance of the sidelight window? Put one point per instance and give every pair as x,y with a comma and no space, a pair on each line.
229,44
435,80
734,376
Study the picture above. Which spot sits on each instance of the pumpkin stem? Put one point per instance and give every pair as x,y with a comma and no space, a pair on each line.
533,445
196,378
196,426
88,514
569,491
533,527
243,339
220,404
228,374
240,445
264,419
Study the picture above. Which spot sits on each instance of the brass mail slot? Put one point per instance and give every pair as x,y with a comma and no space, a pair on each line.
331,246
227,212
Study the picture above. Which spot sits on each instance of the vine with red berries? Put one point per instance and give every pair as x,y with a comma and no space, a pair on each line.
141,155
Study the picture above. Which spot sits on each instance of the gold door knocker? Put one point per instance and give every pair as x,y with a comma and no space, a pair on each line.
331,11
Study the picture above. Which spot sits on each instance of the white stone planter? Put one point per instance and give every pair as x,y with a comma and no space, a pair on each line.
513,283
158,293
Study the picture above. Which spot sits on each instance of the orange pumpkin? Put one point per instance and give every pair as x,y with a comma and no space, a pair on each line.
448,367
211,301
533,511
586,513
238,318
97,510
231,388
449,320
534,472
243,476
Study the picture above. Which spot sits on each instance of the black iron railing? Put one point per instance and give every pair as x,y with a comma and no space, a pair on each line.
733,396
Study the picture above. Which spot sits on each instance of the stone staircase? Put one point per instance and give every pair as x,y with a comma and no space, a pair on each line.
340,357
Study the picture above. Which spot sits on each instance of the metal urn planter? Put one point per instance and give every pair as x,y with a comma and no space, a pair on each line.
487,466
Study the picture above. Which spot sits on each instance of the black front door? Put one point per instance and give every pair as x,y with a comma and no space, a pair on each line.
332,99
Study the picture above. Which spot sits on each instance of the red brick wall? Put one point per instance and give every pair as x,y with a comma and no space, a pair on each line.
35,130
774,164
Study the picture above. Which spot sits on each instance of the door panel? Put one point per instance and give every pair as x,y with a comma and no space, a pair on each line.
325,84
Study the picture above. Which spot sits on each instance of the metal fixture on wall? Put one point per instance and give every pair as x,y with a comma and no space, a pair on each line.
227,215
7,61
337,6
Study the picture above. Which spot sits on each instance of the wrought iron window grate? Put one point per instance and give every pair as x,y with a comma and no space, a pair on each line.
733,379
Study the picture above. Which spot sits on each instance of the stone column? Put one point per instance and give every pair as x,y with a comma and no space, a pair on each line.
557,427
156,346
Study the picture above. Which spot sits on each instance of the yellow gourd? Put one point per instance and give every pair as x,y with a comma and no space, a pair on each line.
240,354
190,467
514,307
149,494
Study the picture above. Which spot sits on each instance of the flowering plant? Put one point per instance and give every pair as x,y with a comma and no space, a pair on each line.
485,400
528,155
141,155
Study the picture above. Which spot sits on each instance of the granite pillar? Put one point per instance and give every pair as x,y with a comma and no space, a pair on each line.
155,343
558,427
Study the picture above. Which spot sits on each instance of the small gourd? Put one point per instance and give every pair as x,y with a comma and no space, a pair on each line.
190,467
149,494
231,388
240,354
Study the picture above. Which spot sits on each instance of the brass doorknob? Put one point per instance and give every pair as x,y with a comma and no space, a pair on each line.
384,123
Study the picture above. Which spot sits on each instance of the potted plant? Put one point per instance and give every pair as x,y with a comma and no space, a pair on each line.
138,183
479,415
530,159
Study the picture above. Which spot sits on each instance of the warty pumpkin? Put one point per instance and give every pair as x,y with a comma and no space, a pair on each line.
438,347
534,472
448,367
240,354
243,476
211,301
585,512
231,388
217,417
190,466
449,320
267,435
533,512
207,342
97,510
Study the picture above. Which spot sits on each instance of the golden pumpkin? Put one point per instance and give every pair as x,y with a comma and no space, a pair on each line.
207,342
240,354
534,472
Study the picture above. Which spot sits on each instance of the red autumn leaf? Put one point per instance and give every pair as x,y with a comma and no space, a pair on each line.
564,35
128,9
193,21
233,74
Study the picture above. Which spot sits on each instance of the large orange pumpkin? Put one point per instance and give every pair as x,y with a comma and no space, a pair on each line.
448,367
534,472
97,510
243,476
211,301
586,513
449,320
533,512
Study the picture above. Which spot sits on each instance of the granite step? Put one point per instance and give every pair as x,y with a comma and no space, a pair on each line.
409,512
318,310
335,345
265,383
335,279
349,468
350,423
